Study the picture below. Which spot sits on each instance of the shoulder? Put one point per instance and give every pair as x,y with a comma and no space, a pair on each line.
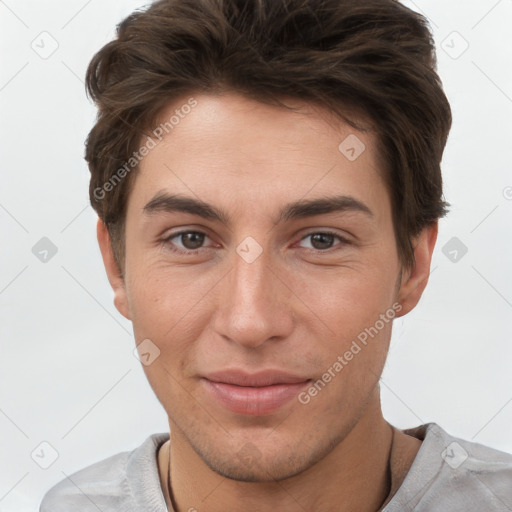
453,474
118,482
100,485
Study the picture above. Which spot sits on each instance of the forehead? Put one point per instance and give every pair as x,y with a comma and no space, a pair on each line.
221,147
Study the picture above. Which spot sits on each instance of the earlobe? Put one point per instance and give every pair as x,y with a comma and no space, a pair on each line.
416,279
114,275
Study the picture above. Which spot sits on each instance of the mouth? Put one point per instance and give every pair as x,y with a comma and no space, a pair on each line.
253,394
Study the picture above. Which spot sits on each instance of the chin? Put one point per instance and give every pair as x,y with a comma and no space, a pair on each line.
263,462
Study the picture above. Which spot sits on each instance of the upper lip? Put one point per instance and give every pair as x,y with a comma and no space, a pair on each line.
261,378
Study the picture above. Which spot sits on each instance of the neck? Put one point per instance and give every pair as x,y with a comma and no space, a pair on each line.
355,475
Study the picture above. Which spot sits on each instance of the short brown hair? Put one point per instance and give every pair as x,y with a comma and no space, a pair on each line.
375,57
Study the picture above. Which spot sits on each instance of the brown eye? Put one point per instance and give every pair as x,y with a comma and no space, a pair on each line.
192,239
186,241
322,241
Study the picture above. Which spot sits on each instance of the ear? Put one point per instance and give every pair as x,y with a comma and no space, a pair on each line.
113,273
416,278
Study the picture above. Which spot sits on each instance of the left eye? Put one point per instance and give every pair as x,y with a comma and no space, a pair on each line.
323,240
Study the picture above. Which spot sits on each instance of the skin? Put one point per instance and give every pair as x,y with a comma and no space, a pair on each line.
296,307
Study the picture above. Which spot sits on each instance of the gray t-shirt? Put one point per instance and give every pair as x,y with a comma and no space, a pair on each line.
447,475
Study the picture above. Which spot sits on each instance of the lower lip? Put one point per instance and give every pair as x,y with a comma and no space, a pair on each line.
253,401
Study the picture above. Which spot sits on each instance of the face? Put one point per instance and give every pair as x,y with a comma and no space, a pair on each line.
285,270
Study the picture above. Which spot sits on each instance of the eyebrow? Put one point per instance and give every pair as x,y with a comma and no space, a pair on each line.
169,203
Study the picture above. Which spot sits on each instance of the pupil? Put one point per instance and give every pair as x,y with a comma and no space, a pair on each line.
325,240
192,240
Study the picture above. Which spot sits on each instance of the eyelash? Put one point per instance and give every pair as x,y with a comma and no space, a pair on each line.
190,252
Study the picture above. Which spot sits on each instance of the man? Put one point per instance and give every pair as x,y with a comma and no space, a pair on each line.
267,179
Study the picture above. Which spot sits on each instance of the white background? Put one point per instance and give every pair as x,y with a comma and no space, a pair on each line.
68,373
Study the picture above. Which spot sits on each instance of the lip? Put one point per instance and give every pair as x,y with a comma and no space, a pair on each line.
253,394
262,378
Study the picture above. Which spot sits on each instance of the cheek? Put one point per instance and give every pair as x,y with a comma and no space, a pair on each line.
344,315
170,312
168,305
352,358
347,299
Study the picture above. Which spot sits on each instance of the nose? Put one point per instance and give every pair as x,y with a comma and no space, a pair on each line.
254,303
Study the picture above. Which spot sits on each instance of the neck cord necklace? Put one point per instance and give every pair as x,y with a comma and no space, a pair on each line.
389,471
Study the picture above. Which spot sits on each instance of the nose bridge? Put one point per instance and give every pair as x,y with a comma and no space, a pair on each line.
253,305
250,278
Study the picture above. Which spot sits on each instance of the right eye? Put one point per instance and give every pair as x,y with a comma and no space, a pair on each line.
191,241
